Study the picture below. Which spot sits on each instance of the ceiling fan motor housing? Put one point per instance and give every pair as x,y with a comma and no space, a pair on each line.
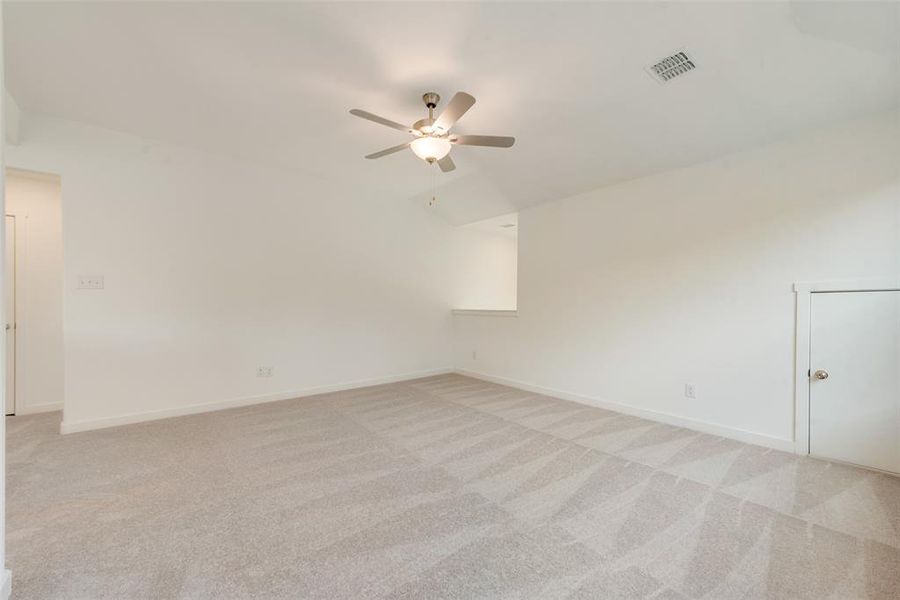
424,125
431,99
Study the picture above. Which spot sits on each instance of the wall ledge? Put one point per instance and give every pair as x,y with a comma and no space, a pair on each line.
478,312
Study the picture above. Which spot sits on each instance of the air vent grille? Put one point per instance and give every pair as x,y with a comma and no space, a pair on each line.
672,66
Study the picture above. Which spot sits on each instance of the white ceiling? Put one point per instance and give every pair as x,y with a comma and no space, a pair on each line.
273,82
503,225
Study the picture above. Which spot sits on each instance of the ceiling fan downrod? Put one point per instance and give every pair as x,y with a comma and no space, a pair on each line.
431,100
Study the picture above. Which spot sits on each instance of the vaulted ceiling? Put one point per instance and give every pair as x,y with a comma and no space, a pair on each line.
272,82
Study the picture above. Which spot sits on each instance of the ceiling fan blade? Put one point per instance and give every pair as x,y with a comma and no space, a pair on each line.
457,107
390,150
380,120
496,141
446,164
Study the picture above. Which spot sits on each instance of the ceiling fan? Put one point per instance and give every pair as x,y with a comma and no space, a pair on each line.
433,139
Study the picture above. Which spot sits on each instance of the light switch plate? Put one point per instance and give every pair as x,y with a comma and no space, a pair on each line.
90,282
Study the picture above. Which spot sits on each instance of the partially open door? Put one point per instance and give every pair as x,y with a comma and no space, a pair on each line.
10,309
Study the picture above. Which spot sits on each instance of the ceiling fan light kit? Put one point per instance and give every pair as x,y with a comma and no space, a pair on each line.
433,140
430,148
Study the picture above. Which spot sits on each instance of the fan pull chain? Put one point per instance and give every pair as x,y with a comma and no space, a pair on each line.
433,186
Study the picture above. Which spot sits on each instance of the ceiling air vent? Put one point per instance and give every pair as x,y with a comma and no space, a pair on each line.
672,66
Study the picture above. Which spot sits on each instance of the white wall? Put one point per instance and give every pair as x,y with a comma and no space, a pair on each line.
627,293
35,201
5,576
213,267
487,280
12,116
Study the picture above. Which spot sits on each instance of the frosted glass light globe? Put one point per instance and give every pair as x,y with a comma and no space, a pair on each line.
431,148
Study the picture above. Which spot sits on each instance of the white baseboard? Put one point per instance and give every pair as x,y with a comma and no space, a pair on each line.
154,415
39,408
740,435
6,585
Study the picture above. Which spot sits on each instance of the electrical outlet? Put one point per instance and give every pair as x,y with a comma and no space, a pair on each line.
474,355
690,390
264,371
90,282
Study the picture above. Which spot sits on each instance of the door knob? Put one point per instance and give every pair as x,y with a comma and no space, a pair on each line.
821,374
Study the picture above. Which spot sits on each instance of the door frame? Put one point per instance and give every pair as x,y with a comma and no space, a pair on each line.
15,315
803,290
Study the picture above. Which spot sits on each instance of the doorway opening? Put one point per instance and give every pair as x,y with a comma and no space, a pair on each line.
33,277
490,266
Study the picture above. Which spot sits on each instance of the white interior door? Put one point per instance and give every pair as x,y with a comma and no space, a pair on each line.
10,308
854,396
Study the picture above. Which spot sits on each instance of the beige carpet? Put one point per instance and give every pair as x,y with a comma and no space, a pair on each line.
445,487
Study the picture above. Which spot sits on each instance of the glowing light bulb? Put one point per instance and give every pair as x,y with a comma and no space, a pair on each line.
431,148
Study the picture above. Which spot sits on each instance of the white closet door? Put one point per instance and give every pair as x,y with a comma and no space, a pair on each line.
854,407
